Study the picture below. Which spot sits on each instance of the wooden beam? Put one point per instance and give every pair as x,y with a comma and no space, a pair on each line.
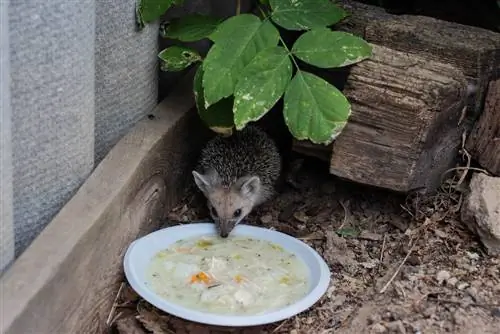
66,280
484,140
404,129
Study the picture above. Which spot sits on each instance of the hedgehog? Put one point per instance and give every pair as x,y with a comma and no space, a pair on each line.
236,174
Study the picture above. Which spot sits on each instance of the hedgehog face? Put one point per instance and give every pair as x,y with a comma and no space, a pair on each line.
227,209
229,204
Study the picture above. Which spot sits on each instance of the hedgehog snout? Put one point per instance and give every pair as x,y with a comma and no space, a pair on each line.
225,226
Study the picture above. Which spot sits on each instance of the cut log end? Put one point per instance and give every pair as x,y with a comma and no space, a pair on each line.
403,133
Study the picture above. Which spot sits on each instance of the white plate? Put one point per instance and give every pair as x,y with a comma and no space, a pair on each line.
141,251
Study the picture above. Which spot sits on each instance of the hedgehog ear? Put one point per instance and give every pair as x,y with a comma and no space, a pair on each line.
249,186
206,182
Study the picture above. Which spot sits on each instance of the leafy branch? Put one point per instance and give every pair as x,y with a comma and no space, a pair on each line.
249,67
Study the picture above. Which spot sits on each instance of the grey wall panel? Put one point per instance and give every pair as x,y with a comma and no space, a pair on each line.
126,71
52,92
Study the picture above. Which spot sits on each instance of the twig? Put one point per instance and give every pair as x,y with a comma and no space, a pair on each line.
457,302
413,242
459,204
280,325
407,210
462,115
399,268
346,214
468,156
467,168
312,236
238,7
115,304
383,248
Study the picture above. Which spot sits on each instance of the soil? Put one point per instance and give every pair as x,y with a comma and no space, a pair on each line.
400,264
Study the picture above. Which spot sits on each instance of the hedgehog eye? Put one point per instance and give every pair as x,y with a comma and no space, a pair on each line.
213,211
237,213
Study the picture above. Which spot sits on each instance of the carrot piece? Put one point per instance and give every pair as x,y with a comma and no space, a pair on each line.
200,277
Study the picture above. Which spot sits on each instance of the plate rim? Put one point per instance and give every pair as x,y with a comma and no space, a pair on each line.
218,319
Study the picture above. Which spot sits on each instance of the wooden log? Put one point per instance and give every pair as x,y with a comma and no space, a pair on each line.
66,281
403,132
475,51
484,141
360,15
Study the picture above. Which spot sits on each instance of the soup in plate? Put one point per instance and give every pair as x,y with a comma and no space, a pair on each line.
230,276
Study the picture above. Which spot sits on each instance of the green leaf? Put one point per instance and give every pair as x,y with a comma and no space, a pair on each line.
348,232
151,10
314,109
219,116
261,85
191,27
176,58
305,14
237,41
325,48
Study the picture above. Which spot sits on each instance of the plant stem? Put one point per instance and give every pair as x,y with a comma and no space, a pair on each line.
289,53
238,7
266,17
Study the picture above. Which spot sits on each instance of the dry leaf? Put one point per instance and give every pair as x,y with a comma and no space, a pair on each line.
158,324
128,295
301,217
367,235
266,219
129,325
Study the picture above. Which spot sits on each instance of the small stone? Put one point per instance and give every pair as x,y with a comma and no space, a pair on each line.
495,312
374,318
462,285
481,210
429,312
472,291
452,281
378,328
330,291
338,301
396,327
473,255
266,219
458,318
443,276
370,264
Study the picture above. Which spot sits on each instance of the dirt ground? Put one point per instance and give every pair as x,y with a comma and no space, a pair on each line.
400,264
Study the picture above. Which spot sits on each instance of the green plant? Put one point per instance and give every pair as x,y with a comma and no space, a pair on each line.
249,67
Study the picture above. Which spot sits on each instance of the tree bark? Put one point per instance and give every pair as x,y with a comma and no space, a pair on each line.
484,140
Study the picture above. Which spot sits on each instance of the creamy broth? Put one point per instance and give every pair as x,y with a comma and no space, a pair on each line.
232,276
